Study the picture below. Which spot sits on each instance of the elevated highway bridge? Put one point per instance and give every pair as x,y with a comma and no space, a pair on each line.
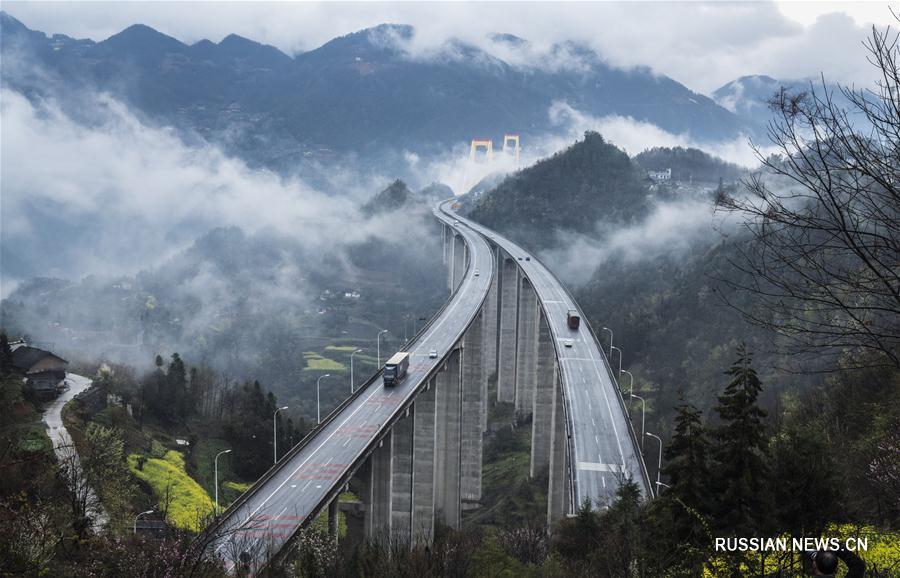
416,448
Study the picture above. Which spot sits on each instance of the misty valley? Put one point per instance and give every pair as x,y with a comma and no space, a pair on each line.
321,289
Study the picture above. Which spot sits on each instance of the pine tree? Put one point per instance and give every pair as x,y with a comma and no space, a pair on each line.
687,458
740,452
175,388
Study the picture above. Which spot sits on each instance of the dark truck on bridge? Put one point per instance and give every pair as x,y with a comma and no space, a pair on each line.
573,319
395,368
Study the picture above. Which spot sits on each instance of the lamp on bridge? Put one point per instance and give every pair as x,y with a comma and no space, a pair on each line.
659,463
275,434
610,339
216,467
318,406
351,369
378,345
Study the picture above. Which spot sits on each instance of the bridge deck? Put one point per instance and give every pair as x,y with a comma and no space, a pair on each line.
308,477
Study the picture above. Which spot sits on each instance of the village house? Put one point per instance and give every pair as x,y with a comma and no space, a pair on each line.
44,372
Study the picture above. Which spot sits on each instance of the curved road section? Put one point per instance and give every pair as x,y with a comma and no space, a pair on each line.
602,448
294,491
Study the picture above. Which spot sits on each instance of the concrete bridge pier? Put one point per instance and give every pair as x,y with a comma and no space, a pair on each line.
544,394
449,246
557,493
472,407
447,441
378,510
509,308
460,259
526,348
333,518
402,477
422,527
489,331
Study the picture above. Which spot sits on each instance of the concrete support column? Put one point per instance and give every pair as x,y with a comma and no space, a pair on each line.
490,331
423,465
449,248
459,260
447,442
526,348
402,478
558,488
545,392
378,513
333,518
509,306
471,445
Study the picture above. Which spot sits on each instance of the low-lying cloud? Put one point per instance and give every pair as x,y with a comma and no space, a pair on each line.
671,228
635,136
119,195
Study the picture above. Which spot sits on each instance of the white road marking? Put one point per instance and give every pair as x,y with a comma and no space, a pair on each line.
599,467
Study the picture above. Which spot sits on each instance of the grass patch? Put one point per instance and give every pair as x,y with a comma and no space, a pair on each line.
33,439
239,487
511,497
188,502
202,463
320,524
315,362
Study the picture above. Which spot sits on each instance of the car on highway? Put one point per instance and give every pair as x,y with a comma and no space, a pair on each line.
477,272
568,342
528,258
432,354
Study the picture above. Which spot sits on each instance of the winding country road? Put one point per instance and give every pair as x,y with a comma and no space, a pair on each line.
64,447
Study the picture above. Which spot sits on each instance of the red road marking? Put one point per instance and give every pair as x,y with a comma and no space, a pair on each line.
319,472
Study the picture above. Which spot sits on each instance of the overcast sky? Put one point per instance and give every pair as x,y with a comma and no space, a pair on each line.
701,44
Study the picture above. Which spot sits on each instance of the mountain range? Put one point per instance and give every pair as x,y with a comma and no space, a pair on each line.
364,93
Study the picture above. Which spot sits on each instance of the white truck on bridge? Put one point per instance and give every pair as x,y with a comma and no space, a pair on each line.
395,368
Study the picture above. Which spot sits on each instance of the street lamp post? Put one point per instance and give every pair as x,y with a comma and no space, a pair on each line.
378,345
613,348
134,528
643,415
216,464
275,434
659,463
351,369
610,339
318,407
630,381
